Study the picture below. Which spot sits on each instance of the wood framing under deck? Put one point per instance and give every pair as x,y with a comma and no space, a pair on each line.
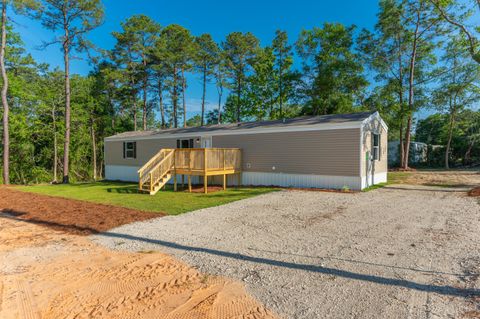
204,162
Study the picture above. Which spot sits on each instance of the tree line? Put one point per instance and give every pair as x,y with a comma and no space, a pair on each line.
421,54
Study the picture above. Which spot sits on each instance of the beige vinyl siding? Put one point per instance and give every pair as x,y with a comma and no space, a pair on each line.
145,150
325,152
381,165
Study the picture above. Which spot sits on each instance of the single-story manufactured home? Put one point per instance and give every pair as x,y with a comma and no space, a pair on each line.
329,151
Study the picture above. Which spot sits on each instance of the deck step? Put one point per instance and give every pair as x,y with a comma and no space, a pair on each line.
161,183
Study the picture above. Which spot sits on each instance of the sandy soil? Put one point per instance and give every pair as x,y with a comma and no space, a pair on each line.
48,272
403,251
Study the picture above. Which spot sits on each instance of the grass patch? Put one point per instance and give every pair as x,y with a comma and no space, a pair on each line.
373,187
398,177
392,178
126,195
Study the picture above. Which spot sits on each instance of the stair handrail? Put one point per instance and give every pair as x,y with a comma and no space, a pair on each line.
151,160
147,167
158,165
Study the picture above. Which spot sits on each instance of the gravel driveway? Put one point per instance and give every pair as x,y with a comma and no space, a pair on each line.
397,252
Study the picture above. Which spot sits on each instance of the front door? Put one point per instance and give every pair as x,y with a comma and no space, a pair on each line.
206,142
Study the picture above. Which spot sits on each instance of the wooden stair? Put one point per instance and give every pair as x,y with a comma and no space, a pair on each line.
156,173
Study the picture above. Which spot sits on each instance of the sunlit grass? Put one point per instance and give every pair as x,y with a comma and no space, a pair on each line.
126,195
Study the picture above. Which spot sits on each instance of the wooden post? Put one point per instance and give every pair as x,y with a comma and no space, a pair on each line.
190,160
175,170
189,183
139,181
224,159
205,177
224,182
151,182
240,168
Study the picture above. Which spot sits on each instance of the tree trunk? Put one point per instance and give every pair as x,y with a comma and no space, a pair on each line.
453,109
220,93
239,95
183,98
467,159
449,141
94,150
175,97
402,146
135,113
160,100
55,148
6,136
400,100
204,92
410,96
145,88
280,84
144,115
66,146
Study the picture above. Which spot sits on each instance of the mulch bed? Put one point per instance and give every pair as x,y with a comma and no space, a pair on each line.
67,215
474,192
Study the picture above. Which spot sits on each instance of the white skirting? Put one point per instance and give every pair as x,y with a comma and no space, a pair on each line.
121,173
129,173
301,180
378,178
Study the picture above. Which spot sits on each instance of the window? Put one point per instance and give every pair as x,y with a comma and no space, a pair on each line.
185,143
376,146
129,149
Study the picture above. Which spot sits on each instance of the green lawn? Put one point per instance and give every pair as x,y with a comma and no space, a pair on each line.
397,177
125,194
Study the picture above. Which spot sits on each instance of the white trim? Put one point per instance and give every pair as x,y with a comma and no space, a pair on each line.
377,116
377,179
298,128
361,150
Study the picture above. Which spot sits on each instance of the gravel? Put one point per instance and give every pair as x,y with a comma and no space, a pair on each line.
396,252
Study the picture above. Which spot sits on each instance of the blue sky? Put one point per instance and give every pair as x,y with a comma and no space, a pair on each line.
215,17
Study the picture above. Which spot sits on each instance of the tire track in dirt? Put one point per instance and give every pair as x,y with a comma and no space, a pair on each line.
25,301
70,277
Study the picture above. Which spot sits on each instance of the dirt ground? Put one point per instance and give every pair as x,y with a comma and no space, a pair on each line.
466,179
48,271
68,215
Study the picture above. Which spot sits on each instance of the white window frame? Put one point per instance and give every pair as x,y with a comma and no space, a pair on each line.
376,148
133,150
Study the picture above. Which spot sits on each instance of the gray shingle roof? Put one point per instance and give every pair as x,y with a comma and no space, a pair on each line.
298,121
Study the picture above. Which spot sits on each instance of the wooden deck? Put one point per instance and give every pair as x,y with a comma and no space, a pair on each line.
169,163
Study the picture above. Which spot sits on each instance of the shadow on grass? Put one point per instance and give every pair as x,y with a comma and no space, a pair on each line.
128,189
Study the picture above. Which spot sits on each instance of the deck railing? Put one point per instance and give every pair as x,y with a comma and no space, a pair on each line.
188,161
207,160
